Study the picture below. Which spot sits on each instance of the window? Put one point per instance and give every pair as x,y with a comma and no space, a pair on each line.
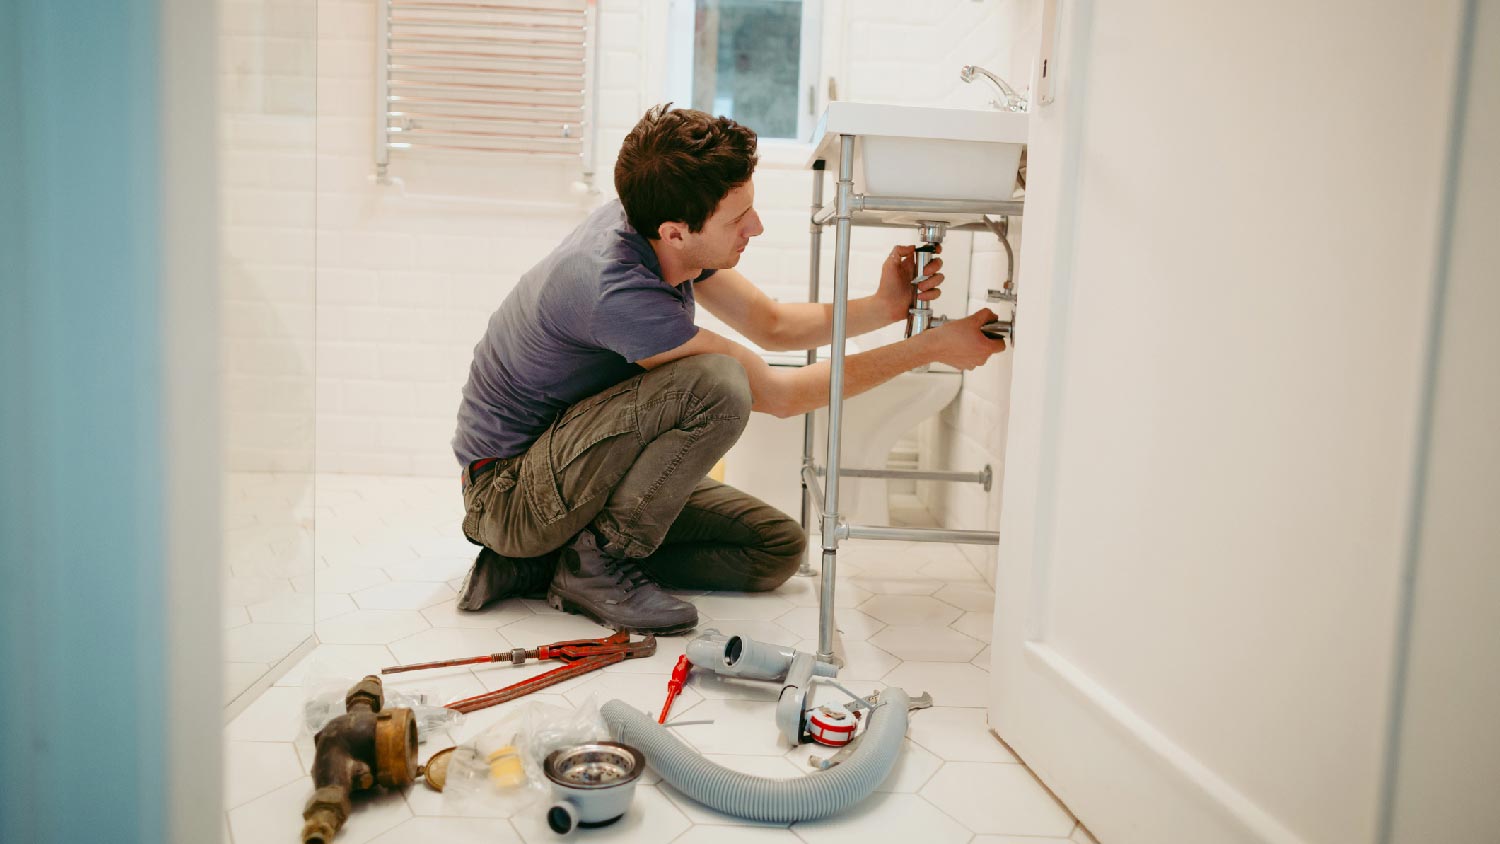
753,60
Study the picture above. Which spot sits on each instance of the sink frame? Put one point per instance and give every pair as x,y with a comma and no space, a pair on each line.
846,211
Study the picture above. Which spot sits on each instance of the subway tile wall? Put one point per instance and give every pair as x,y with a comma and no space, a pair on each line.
267,177
409,270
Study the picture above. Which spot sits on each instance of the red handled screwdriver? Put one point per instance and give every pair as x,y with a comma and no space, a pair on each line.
674,685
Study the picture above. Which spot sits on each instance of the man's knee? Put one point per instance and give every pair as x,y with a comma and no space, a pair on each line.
720,381
781,556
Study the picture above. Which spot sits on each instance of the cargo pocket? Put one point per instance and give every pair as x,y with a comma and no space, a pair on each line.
600,417
486,497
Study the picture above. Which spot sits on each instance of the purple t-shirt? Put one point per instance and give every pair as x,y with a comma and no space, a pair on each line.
575,325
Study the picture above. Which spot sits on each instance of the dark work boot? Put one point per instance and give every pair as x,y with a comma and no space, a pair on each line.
494,577
614,591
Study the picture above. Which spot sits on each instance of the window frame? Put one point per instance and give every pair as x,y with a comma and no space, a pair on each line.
678,83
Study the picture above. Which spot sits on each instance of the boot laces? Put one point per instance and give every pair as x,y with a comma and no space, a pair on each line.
627,574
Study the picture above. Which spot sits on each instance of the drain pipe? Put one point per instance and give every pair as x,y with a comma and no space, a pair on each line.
754,798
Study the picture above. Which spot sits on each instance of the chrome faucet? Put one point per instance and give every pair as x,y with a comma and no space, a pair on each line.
1013,101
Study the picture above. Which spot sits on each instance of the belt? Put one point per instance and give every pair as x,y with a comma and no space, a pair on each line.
478,469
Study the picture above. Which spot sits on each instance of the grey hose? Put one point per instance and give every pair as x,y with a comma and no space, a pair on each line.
760,798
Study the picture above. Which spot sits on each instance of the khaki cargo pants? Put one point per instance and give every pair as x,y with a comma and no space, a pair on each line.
632,461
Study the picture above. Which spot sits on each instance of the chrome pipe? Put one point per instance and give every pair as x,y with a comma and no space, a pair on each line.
595,25
399,134
810,483
420,111
480,78
870,222
836,392
456,147
509,126
961,537
523,112
382,89
571,64
861,203
985,477
815,232
432,23
470,95
936,206
919,316
559,44
525,66
510,8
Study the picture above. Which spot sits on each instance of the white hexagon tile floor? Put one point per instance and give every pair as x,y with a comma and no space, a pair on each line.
389,559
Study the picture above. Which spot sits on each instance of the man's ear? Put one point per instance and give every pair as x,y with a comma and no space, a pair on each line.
672,233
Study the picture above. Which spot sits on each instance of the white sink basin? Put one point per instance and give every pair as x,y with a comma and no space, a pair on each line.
931,153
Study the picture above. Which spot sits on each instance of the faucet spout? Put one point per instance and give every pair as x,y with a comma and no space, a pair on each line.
1013,101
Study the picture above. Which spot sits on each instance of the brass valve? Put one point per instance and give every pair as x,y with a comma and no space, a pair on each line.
364,747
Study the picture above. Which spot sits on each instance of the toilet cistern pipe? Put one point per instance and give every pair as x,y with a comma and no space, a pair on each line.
919,317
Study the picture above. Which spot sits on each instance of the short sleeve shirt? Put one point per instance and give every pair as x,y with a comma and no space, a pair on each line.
575,324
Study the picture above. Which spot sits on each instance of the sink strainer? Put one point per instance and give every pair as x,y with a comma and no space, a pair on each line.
593,784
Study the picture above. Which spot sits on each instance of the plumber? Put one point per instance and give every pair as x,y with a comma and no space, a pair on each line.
595,408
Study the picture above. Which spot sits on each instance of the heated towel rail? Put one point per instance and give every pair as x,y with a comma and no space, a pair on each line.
486,76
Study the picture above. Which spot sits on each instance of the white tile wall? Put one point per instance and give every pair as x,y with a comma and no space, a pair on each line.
970,433
267,173
408,272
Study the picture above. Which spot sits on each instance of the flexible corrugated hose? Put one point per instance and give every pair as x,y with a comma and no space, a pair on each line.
816,795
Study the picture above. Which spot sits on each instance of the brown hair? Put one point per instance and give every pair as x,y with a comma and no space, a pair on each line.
677,165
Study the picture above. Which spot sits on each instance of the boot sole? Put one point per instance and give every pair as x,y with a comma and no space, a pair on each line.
564,604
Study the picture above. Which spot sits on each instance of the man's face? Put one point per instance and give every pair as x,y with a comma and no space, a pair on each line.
727,231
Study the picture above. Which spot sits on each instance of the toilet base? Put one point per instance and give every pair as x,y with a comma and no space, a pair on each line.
767,461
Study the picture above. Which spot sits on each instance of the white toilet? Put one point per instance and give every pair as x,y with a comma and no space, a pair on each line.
767,460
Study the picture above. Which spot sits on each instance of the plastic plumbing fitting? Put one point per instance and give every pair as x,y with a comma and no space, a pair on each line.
747,659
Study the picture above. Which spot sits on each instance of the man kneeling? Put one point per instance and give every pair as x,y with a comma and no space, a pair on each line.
595,408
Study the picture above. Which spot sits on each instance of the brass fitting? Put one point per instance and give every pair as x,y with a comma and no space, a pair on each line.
364,747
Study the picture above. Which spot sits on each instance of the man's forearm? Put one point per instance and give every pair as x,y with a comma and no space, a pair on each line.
807,389
808,325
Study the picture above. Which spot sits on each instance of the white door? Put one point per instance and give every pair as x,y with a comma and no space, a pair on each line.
1228,260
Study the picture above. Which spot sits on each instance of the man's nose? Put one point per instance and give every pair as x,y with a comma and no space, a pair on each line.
756,229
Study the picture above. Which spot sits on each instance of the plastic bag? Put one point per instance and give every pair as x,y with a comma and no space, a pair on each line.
325,702
501,768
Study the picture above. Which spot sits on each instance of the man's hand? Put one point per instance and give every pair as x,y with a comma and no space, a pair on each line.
960,343
895,281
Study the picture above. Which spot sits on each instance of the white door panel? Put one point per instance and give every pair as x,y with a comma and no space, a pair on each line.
1229,248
